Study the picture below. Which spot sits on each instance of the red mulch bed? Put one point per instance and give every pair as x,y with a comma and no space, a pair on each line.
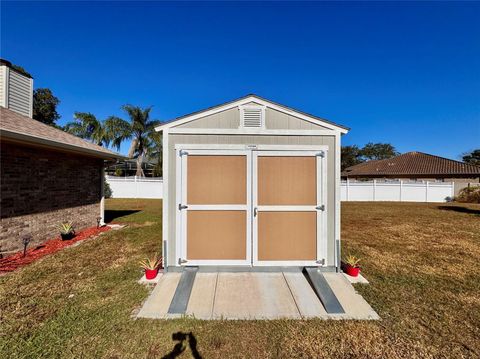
17,260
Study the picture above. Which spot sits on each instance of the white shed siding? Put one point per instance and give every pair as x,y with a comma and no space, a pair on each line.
256,140
20,92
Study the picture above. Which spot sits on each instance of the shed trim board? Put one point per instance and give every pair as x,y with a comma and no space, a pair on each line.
250,131
214,137
245,101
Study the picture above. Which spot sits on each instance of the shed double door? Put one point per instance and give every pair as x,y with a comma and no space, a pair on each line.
244,207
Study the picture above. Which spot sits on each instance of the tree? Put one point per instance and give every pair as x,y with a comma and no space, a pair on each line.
378,151
351,155
472,158
21,70
86,125
139,128
45,106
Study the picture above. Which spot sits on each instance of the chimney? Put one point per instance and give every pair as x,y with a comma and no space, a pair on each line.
16,89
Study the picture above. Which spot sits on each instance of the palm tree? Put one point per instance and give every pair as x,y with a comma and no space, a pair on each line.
87,126
140,129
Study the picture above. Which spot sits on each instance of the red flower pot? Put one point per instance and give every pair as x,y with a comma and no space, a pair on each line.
151,273
352,271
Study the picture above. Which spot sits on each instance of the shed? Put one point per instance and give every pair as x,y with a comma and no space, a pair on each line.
251,183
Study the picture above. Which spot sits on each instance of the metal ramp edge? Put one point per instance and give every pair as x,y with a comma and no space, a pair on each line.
323,291
180,299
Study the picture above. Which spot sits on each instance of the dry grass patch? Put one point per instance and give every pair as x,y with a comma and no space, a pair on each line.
420,260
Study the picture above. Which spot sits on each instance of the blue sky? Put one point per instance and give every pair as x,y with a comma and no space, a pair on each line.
403,73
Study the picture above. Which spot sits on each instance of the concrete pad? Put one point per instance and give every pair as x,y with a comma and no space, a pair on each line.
202,297
307,301
253,296
157,304
355,306
358,279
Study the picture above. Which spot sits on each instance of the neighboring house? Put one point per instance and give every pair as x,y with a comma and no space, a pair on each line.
251,183
415,166
128,168
47,176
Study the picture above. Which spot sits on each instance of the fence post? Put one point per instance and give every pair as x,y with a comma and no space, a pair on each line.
401,188
374,189
347,189
426,191
136,187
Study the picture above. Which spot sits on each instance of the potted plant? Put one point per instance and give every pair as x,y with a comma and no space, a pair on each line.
67,231
151,266
351,265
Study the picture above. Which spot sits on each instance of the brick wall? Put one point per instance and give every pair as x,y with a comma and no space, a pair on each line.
41,188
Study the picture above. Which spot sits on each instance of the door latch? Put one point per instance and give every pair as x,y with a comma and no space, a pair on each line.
182,206
182,261
320,208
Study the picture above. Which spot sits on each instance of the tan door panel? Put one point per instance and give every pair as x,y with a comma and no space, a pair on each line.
287,180
284,236
216,235
216,179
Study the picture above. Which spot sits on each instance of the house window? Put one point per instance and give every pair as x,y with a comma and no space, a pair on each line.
252,116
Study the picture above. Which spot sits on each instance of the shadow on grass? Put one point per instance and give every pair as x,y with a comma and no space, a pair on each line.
183,339
460,209
111,214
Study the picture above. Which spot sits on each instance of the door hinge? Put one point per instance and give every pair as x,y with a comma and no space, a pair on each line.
321,154
182,153
182,261
321,261
182,206
320,208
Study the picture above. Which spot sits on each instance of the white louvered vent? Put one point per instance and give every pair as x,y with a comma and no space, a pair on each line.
252,117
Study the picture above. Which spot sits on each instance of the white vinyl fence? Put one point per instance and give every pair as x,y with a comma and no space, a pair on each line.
136,187
398,191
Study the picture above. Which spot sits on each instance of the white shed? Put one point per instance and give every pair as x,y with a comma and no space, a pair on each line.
251,184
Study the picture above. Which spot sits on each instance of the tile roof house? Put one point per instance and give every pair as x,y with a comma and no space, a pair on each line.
415,166
47,175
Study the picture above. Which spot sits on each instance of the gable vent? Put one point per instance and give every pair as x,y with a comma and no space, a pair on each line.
252,116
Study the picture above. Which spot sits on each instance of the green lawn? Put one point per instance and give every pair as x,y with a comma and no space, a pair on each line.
421,260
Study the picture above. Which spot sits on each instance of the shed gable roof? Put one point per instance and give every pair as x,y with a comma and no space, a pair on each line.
25,129
246,100
412,164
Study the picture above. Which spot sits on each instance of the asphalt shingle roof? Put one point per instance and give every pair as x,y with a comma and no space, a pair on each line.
30,130
412,164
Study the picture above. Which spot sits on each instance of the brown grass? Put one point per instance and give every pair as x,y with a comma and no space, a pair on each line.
421,261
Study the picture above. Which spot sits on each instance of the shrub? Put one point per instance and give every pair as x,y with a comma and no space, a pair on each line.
118,172
107,191
469,194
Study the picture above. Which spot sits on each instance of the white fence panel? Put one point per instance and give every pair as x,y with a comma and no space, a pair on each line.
397,191
136,187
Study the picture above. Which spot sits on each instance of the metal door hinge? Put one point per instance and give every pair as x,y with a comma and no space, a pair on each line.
182,261
255,211
320,208
182,206
182,153
321,261
321,154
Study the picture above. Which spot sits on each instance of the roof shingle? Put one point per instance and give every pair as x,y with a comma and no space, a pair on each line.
412,164
13,124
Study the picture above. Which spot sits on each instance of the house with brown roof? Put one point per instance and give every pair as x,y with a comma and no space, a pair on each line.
415,166
47,175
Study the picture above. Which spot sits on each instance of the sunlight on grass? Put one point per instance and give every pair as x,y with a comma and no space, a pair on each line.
417,257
